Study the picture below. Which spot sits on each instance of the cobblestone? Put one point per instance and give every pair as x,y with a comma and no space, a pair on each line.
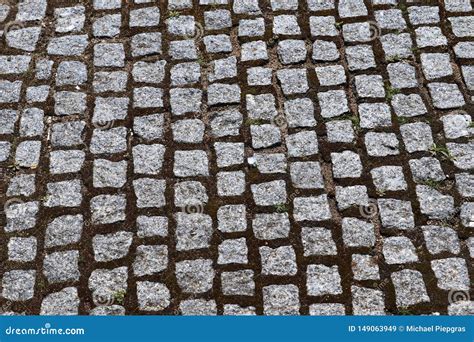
64,302
241,157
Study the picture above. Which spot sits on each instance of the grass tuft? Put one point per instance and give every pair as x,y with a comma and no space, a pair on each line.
441,151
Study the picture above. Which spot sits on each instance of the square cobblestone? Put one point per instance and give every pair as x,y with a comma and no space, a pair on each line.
246,157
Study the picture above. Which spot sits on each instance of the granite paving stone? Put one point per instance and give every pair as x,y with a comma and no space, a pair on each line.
236,157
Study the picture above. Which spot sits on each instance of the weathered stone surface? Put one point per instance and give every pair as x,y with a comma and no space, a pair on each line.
61,266
357,233
238,283
271,226
150,259
152,296
72,45
311,208
365,267
399,250
318,241
281,300
18,285
451,273
242,157
108,209
367,301
64,194
195,276
396,214
323,280
233,251
278,261
410,288
193,231
64,230
64,302
112,246
198,307
22,249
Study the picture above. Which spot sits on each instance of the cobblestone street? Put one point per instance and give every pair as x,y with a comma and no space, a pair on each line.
236,157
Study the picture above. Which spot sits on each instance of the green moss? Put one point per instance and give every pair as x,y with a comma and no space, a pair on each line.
257,122
390,92
432,183
281,208
119,297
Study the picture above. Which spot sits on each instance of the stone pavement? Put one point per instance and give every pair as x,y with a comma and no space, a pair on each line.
274,157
